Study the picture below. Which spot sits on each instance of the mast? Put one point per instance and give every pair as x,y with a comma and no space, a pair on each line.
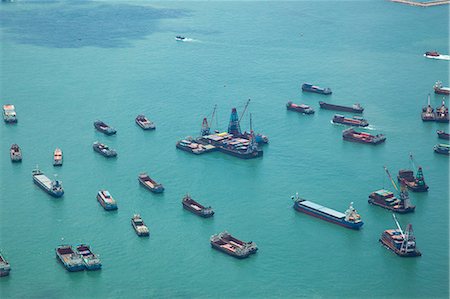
419,176
233,126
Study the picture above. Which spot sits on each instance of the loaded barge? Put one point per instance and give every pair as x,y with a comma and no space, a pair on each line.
9,114
355,108
441,113
54,188
15,153
106,201
232,246
5,268
192,146
414,183
316,89
70,260
143,122
401,243
355,121
149,183
439,89
428,112
139,226
362,137
196,208
302,108
351,219
90,260
104,150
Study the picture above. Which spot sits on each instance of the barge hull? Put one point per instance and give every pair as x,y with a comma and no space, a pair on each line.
329,219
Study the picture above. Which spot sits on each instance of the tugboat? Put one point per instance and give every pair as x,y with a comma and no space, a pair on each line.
91,261
149,183
441,113
57,157
104,150
401,243
54,188
302,108
355,108
355,121
387,200
442,148
139,226
232,246
106,200
431,54
104,128
9,114
362,137
415,184
15,153
428,112
144,122
4,266
443,135
196,208
71,261
312,88
351,218
439,89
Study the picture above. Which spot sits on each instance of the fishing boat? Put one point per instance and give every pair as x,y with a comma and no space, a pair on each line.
104,128
70,260
443,135
149,183
54,188
139,226
316,89
15,153
440,89
441,113
302,108
232,246
414,183
431,54
349,219
355,121
106,200
402,243
355,108
442,148
9,114
5,267
196,208
104,150
144,122
57,157
428,112
91,260
362,137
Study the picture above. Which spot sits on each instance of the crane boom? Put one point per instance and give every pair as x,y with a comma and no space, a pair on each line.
390,177
243,111
398,225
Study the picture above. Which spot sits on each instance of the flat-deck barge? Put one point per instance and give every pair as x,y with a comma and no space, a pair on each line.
54,188
355,108
232,246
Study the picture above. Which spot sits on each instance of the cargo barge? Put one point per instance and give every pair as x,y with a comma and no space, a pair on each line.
9,114
104,150
401,243
193,147
355,121
143,122
15,153
228,144
316,89
428,112
355,108
362,137
106,201
54,188
90,260
232,246
104,128
443,135
139,226
351,219
149,183
414,183
443,149
70,260
196,208
302,108
5,267
441,113
57,157
439,89
386,199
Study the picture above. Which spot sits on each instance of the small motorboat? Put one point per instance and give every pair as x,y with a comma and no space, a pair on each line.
57,157
139,226
104,128
180,38
15,153
144,122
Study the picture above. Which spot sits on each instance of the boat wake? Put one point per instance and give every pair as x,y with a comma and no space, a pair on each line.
440,57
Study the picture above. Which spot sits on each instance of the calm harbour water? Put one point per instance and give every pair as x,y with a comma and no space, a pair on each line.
66,64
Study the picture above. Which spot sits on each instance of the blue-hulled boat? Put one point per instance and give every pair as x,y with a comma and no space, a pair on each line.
54,188
91,261
312,88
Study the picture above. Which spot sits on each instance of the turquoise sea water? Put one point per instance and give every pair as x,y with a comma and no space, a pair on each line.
67,64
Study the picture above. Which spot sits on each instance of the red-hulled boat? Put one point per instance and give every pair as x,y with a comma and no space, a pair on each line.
440,89
362,137
401,243
196,208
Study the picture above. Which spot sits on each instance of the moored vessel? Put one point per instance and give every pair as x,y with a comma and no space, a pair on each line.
9,113
355,121
104,128
442,148
5,267
144,122
54,188
316,89
70,260
441,113
57,157
414,183
362,137
139,226
443,135
104,150
401,243
349,219
192,146
106,200
196,208
15,153
440,89
302,108
90,260
428,112
355,108
149,183
232,246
